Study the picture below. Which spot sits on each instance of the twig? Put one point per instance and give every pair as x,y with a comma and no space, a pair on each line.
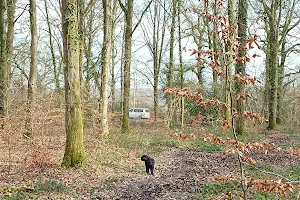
141,17
21,13
272,173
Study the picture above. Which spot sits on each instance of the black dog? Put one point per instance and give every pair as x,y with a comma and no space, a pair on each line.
149,163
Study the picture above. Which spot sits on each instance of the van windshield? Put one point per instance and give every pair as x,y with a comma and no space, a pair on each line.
138,110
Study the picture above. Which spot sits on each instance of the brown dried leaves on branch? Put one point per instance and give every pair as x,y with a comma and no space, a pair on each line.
201,101
277,186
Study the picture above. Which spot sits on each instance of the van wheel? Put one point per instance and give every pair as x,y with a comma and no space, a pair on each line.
140,117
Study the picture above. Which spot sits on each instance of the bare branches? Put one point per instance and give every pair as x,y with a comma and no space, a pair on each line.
24,9
88,8
145,10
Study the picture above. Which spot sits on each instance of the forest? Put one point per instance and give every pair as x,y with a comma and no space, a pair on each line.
217,83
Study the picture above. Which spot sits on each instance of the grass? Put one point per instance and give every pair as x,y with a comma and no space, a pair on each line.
118,155
215,188
34,191
125,149
51,186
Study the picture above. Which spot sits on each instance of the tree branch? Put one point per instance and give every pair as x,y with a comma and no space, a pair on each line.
22,70
21,13
122,6
292,48
88,8
141,16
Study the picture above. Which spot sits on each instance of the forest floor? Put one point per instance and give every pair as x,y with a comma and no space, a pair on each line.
184,169
188,174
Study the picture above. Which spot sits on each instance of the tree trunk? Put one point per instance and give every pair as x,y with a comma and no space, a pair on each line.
3,61
74,151
155,58
241,67
170,75
55,71
106,52
113,57
88,56
122,69
127,63
279,116
180,66
229,60
9,46
33,70
7,8
273,65
215,47
158,60
81,32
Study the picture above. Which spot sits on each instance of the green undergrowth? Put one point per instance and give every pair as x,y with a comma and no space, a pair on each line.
34,191
220,189
147,140
144,139
292,173
293,139
213,190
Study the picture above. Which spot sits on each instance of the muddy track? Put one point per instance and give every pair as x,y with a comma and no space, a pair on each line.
186,174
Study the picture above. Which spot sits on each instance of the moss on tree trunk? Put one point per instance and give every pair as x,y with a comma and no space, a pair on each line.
74,151
272,36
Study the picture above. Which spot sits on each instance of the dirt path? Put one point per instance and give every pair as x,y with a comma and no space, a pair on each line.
182,175
185,173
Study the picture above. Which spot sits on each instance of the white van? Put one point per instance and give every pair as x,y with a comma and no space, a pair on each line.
141,113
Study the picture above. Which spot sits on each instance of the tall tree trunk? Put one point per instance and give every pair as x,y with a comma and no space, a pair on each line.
170,75
7,8
157,57
279,116
81,31
127,63
9,46
33,70
215,47
3,61
273,65
241,67
113,57
88,55
122,69
113,79
128,11
55,70
106,52
229,60
74,151
180,65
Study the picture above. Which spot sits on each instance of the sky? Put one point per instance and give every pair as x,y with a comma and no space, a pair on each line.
141,58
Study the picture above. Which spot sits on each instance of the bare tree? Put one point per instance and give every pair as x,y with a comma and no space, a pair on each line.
33,69
7,12
128,11
156,44
106,57
54,63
